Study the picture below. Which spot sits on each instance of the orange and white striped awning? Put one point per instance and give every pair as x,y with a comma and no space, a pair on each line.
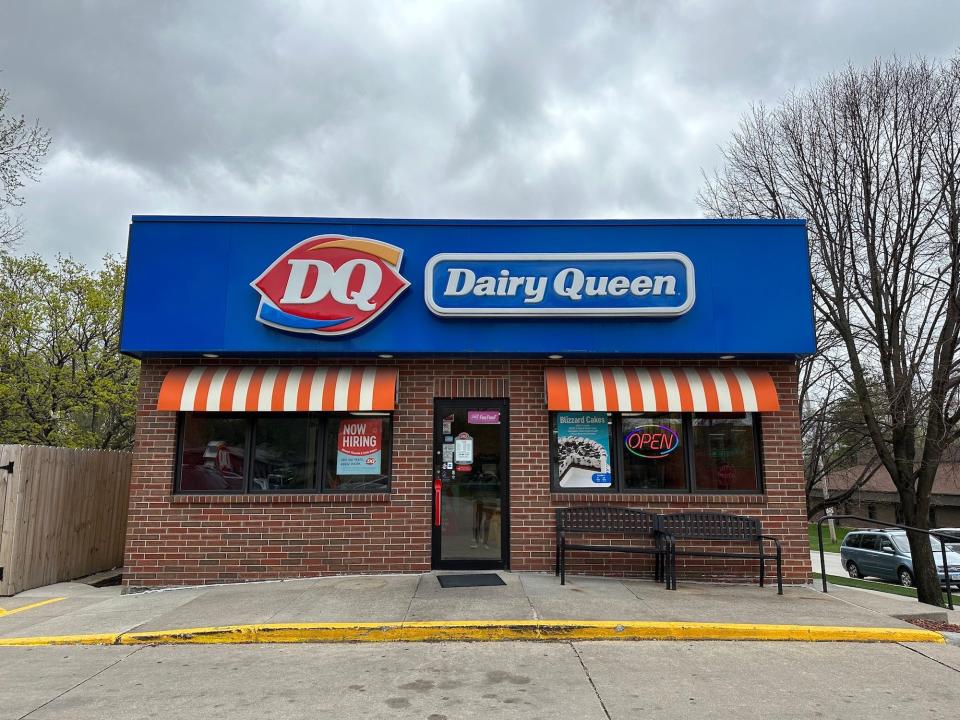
629,389
278,389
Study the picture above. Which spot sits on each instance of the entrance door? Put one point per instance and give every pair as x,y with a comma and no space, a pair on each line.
470,484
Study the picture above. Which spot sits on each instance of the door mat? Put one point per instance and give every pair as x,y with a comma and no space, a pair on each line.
474,580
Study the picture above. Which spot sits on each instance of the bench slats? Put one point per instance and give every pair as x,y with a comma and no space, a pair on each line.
665,530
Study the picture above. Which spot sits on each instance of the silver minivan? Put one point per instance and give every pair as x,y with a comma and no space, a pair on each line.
885,554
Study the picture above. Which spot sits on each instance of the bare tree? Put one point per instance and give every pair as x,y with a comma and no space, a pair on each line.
835,438
23,146
871,157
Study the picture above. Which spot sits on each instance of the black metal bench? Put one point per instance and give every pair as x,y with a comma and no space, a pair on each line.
712,527
614,520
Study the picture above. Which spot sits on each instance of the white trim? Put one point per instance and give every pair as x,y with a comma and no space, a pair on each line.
746,389
368,382
674,403
189,396
292,389
573,389
241,388
317,384
558,312
265,399
341,395
649,399
216,389
698,392
623,388
724,401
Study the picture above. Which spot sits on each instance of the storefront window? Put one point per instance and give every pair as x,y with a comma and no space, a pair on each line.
271,452
213,454
286,454
724,453
653,452
356,452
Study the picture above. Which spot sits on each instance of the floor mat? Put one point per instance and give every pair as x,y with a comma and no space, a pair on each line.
474,580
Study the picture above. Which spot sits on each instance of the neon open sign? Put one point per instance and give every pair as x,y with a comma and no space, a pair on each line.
652,441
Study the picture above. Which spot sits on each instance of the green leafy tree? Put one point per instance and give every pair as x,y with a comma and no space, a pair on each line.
63,380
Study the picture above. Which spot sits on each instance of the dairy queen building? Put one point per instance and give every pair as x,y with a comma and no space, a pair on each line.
339,396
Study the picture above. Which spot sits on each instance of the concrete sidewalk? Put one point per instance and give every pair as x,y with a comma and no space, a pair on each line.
419,598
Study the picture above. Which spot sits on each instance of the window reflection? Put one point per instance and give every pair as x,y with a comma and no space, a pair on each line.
724,452
212,458
286,454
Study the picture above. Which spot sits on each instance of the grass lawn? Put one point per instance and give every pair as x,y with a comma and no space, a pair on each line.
876,586
828,546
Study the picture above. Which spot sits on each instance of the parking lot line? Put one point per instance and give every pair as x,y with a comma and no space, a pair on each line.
31,606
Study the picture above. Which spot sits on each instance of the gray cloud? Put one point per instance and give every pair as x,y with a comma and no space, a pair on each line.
435,109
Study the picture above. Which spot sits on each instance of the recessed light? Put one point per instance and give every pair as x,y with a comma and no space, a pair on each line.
210,355
727,357
555,357
385,356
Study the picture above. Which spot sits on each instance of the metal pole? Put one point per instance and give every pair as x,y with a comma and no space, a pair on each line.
829,511
823,562
946,571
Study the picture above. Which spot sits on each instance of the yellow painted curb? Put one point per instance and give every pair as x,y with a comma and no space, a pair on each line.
486,630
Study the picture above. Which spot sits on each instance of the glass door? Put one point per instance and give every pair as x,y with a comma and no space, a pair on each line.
470,484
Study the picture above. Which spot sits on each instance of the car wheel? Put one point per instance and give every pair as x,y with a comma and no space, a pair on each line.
853,570
906,577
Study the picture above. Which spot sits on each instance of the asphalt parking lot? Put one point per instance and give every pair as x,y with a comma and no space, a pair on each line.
438,681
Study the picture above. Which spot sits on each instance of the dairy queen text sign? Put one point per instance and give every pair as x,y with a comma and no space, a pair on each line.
559,284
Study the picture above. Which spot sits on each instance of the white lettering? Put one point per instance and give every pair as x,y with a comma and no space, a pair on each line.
668,281
456,275
569,283
618,286
293,294
641,285
535,288
372,276
486,285
596,285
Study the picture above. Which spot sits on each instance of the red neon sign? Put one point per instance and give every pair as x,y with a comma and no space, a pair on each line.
652,441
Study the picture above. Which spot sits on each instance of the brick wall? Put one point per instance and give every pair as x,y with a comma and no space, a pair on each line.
195,539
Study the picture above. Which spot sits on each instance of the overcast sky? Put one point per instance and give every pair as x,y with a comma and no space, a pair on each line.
417,109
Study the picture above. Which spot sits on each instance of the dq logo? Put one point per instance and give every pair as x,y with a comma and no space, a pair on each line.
652,441
329,285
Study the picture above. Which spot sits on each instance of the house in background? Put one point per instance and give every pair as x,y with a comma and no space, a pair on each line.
878,499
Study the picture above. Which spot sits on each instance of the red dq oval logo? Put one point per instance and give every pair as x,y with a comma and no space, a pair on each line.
329,285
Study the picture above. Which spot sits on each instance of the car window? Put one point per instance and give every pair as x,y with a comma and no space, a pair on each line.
852,541
885,544
870,542
901,542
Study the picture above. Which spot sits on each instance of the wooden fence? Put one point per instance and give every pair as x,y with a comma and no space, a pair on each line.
63,514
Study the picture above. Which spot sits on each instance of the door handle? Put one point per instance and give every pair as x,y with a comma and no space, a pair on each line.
437,486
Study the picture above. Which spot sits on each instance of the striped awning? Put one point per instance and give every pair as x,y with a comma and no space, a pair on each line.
278,389
630,389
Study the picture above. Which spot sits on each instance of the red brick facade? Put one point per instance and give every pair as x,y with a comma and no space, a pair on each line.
196,539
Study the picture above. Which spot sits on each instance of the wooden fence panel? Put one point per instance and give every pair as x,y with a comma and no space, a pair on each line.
63,514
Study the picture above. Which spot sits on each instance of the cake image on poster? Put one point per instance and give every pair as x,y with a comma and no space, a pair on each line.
579,458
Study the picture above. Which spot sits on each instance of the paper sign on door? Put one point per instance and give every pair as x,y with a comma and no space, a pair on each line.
463,449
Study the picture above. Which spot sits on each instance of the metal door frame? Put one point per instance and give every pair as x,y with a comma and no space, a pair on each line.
471,403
